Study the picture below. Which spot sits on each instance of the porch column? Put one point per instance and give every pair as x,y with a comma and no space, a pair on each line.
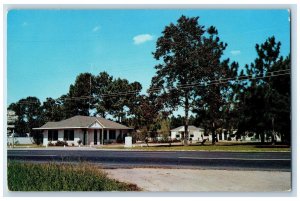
87,137
98,137
107,135
102,136
45,137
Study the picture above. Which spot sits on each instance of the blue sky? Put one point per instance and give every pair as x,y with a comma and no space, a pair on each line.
47,49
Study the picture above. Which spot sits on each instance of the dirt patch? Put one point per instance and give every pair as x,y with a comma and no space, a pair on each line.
151,179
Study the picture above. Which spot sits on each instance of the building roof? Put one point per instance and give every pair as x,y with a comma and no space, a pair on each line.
190,128
82,122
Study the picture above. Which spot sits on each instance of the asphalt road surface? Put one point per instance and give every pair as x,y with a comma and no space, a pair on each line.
274,161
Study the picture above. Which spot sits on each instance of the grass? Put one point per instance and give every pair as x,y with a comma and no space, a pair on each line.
233,147
61,177
28,145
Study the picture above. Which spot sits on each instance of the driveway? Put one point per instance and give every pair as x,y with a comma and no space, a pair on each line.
151,179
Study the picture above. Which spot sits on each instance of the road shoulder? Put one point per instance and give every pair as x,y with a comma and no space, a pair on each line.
180,180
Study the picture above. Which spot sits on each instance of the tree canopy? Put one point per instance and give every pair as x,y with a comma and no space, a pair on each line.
190,55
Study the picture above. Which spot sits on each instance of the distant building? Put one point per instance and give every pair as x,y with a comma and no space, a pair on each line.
11,120
195,134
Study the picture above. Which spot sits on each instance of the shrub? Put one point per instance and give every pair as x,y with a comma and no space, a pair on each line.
37,138
51,144
175,140
61,143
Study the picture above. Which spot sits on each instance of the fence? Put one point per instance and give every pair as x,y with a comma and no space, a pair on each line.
20,140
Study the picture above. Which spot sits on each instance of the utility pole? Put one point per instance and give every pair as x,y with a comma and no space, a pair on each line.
90,87
90,93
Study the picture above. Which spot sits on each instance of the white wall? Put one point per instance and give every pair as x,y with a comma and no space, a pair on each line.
196,137
173,135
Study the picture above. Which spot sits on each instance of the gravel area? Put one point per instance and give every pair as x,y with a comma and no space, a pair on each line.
165,180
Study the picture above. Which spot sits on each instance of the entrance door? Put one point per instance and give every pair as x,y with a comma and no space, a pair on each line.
95,137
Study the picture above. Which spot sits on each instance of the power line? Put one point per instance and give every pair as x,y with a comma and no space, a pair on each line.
220,81
183,86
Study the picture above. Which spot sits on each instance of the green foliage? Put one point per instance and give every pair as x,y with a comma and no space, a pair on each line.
190,55
37,137
52,110
266,102
61,143
76,101
178,121
29,114
116,97
61,177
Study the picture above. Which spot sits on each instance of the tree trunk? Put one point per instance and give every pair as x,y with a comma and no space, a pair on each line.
213,133
262,137
186,122
273,133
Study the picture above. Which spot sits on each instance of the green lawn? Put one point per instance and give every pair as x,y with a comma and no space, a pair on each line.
243,147
28,145
61,177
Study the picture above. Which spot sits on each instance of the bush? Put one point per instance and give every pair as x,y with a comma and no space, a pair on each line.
37,137
61,143
175,140
50,144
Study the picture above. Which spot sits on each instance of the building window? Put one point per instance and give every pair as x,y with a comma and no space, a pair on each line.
191,135
105,134
69,135
112,134
177,135
52,135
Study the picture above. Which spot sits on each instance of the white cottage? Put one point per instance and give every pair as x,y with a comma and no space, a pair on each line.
88,130
195,133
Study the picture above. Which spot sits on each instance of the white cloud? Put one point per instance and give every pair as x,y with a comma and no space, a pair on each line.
96,28
139,39
235,52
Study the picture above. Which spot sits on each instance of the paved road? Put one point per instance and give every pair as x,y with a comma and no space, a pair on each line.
277,161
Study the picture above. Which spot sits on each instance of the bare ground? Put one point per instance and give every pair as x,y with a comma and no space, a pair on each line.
152,179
